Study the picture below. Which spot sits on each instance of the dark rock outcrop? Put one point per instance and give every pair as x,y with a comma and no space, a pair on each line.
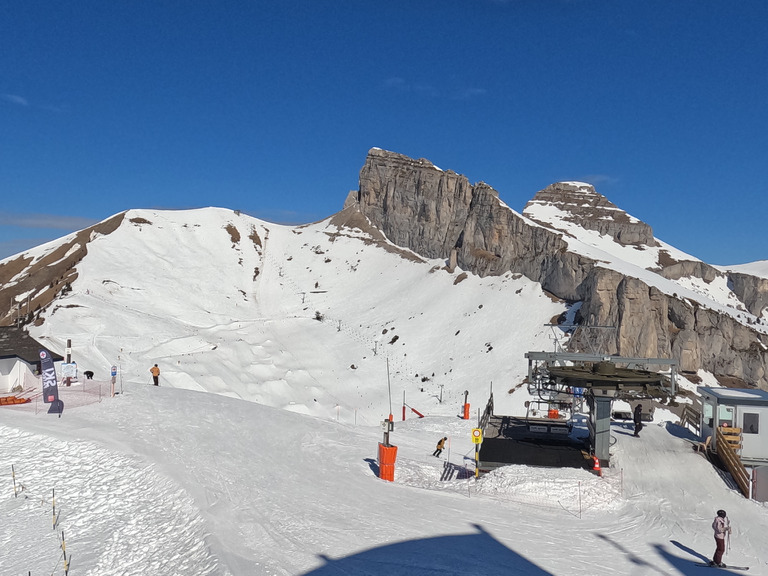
46,278
439,214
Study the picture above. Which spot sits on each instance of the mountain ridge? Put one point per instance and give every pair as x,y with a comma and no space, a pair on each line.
661,301
671,305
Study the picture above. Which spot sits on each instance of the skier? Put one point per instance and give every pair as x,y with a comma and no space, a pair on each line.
721,526
155,374
440,446
638,420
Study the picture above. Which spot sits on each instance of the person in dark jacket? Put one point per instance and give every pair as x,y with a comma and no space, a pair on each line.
722,527
440,446
638,418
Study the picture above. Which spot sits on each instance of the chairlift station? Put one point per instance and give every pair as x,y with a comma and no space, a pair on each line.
561,384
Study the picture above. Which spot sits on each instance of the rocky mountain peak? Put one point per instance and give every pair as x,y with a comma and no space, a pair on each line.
578,203
659,308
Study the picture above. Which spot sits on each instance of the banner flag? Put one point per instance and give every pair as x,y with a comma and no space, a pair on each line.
50,385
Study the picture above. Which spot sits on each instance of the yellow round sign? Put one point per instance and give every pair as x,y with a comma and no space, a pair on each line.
477,435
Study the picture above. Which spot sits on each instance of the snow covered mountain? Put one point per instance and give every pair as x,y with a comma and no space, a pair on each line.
569,241
229,304
586,251
281,349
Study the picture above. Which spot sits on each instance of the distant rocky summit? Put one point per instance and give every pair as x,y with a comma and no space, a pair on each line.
569,239
583,206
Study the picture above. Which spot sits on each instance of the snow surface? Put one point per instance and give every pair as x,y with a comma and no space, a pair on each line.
759,268
169,481
257,454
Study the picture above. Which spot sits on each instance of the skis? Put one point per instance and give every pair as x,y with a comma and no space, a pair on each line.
727,567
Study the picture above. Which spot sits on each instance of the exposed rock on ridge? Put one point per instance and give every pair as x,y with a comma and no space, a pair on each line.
439,214
592,211
56,269
751,290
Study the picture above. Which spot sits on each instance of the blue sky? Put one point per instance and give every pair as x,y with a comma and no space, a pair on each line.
271,107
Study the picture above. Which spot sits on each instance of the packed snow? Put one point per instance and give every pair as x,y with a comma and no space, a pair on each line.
759,268
257,453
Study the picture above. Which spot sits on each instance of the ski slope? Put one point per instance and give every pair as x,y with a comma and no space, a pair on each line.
169,481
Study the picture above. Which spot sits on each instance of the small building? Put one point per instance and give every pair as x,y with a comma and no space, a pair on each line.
19,359
742,408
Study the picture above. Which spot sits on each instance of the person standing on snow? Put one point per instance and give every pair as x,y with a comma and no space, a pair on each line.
440,446
638,419
721,526
155,374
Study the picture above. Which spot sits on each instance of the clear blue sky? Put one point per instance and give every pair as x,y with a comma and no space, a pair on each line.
271,107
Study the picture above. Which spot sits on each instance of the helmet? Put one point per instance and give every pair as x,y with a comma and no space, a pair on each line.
721,513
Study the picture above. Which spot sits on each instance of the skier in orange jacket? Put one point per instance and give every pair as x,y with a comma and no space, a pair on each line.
155,374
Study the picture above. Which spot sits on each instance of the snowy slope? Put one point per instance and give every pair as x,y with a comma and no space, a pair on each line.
239,318
168,481
759,268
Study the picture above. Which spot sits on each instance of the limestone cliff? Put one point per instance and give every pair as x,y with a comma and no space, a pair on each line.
439,214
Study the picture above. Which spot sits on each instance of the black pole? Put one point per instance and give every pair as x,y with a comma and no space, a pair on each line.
389,389
69,358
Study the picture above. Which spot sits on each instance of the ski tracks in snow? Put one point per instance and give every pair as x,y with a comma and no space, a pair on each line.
107,506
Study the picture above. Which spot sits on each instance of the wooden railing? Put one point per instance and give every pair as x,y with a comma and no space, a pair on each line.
728,442
690,417
732,436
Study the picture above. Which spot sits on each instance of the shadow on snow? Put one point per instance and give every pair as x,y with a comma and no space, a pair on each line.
682,565
466,555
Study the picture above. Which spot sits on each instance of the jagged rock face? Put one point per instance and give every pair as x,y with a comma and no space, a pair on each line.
686,268
751,290
638,312
434,212
582,205
392,190
495,239
439,214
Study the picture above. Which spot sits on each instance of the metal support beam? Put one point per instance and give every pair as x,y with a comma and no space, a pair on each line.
600,424
562,358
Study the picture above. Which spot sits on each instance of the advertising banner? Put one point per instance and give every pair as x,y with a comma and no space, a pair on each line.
50,386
